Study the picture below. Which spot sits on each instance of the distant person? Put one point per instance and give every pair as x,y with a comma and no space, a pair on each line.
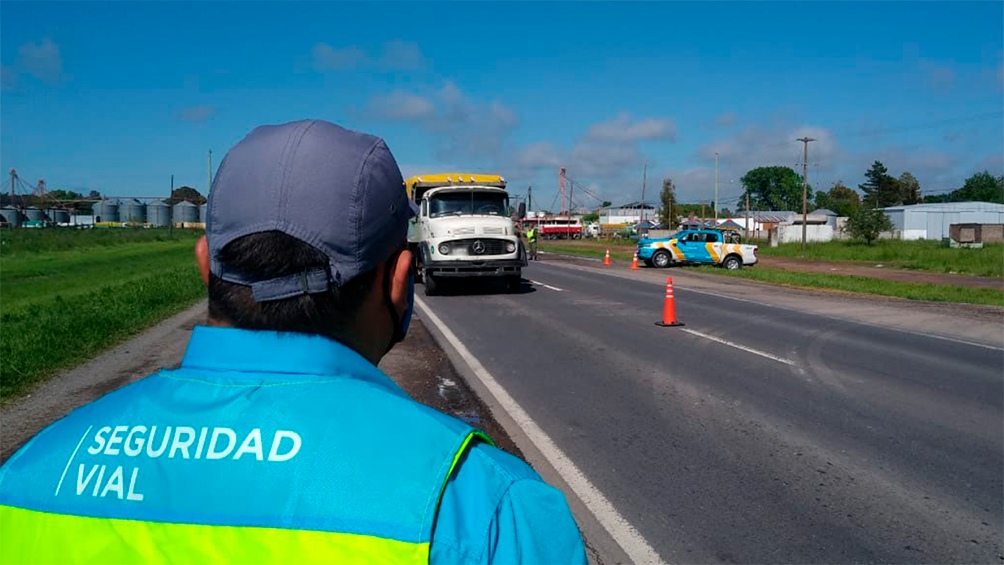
278,439
531,236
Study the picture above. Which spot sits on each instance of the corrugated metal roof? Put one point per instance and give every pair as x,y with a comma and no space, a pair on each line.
950,207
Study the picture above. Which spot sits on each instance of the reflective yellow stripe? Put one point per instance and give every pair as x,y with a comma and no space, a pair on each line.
713,252
28,536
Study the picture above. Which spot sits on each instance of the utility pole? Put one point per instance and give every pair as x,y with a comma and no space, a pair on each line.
644,178
702,215
747,214
716,188
529,198
805,183
571,205
170,211
13,181
210,173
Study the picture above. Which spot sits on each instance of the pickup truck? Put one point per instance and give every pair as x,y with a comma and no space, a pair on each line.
697,246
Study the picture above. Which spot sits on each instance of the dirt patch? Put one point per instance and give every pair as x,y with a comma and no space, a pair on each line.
422,369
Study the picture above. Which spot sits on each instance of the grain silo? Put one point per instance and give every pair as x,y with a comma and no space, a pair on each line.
12,216
158,213
132,211
203,208
106,211
60,215
185,212
33,214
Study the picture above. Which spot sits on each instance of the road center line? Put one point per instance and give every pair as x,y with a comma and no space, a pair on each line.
632,542
738,346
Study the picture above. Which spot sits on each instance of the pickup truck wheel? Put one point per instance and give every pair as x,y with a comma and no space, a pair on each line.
732,262
661,259
431,284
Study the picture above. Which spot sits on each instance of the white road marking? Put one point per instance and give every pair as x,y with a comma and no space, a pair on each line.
738,346
538,283
70,460
632,542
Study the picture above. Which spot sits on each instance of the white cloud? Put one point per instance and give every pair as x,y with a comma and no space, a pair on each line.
400,105
8,77
939,77
198,113
727,119
41,60
402,55
623,128
328,58
396,55
463,127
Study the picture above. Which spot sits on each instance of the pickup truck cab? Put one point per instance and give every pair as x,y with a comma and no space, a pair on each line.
697,246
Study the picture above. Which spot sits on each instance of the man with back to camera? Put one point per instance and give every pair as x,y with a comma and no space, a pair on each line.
278,439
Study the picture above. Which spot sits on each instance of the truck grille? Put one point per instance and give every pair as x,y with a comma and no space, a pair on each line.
486,246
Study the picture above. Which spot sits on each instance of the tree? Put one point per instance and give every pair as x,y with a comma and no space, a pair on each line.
667,196
606,204
868,223
909,188
591,217
94,194
186,193
981,187
881,189
774,188
843,200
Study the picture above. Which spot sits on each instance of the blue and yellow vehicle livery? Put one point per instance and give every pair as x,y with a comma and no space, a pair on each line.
700,246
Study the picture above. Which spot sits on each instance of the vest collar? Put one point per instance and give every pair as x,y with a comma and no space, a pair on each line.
278,355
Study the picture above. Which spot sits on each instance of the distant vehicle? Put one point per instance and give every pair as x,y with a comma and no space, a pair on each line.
701,247
557,227
464,228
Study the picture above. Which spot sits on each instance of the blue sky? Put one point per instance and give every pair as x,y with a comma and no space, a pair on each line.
119,96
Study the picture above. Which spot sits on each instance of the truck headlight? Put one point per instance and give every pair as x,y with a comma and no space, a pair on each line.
510,247
444,248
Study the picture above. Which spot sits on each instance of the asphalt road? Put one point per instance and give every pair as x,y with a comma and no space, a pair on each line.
754,433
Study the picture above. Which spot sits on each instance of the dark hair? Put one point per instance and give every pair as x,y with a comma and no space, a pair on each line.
271,254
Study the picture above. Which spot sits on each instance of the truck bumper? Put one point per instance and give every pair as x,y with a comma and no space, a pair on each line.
487,268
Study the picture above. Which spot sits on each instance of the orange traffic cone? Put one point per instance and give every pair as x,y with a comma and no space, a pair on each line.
669,307
606,259
634,262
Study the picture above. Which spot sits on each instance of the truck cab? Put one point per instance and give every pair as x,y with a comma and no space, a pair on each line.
463,229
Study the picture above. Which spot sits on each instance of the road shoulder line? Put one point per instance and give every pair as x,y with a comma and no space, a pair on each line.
626,536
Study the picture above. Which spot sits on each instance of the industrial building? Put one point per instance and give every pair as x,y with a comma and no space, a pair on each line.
933,221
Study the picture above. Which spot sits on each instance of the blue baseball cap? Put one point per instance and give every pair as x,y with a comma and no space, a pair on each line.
335,189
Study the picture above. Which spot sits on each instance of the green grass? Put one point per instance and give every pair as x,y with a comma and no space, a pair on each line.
919,255
913,291
67,295
881,287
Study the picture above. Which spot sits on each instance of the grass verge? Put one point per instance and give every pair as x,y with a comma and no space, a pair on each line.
845,283
921,255
64,300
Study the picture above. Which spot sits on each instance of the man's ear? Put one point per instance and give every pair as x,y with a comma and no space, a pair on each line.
399,280
202,259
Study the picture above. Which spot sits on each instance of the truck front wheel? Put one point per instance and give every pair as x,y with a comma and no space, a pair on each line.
513,284
431,284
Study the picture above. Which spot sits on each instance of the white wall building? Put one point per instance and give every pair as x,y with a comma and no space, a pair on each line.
629,214
931,221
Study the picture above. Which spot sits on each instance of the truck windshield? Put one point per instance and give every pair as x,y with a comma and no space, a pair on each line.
467,203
